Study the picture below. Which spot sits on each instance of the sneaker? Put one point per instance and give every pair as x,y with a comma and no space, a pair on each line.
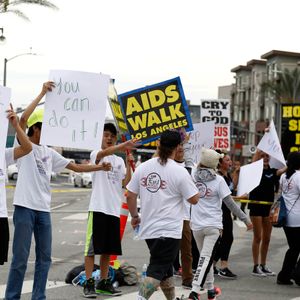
258,272
194,296
187,286
105,287
216,271
177,273
267,270
89,289
226,273
214,293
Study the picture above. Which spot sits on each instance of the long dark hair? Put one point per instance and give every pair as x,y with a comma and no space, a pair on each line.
164,153
293,163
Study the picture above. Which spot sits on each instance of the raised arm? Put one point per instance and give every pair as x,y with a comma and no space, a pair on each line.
88,168
128,145
47,86
25,145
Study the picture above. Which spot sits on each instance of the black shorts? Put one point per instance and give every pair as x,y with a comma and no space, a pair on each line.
4,240
259,210
163,252
103,235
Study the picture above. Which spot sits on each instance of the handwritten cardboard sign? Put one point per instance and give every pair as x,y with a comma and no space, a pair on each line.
151,110
201,136
75,110
4,105
270,145
219,112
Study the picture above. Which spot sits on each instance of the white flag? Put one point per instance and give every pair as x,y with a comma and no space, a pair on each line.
270,145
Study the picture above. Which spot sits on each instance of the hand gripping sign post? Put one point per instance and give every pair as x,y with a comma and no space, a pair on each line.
75,110
4,104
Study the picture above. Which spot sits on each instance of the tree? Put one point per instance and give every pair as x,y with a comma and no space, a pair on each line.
285,87
7,6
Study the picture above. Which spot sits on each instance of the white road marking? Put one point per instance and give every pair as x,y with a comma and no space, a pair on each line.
59,206
80,216
28,284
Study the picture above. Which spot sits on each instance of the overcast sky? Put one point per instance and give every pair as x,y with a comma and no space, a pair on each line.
141,42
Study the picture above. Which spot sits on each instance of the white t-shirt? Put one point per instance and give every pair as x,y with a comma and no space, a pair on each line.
107,193
291,192
33,185
208,211
8,160
187,205
162,190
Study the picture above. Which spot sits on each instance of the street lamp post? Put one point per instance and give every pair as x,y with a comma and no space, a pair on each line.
6,60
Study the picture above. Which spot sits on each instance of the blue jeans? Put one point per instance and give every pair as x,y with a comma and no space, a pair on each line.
26,222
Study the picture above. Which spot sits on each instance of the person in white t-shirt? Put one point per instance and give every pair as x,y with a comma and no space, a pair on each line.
289,186
11,154
32,204
103,228
206,219
162,186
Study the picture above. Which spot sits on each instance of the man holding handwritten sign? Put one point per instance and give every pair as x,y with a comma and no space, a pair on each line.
151,110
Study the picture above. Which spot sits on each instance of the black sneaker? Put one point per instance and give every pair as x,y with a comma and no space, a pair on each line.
267,270
216,271
105,287
194,296
89,289
258,272
285,282
226,273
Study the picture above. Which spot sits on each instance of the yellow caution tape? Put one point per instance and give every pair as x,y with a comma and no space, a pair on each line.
253,201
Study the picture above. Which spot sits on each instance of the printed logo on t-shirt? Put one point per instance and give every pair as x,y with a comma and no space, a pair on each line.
40,167
203,189
269,175
1,172
153,182
114,174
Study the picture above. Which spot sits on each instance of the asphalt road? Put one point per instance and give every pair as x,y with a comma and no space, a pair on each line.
69,213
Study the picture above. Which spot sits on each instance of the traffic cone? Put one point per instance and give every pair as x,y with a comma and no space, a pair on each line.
123,221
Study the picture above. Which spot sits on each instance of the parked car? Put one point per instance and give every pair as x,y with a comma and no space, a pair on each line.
12,172
83,179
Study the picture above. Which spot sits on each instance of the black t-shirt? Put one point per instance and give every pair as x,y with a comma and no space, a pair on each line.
266,188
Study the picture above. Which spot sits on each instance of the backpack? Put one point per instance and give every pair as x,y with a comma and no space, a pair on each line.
76,271
127,274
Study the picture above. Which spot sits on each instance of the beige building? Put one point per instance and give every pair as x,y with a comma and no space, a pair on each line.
252,108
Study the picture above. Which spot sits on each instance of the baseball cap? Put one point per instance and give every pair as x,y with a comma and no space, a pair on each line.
35,117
